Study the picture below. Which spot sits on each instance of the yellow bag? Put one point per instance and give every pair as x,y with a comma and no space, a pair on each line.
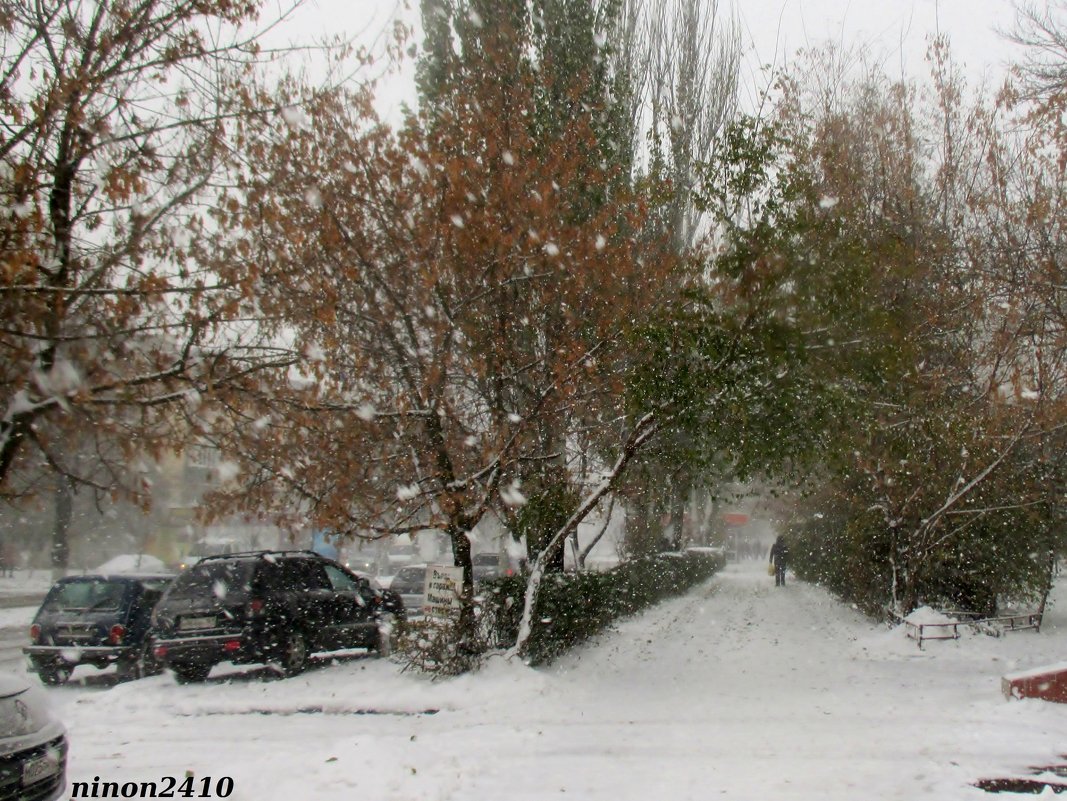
770,569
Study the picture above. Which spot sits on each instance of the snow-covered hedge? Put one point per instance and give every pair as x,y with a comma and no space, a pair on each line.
572,607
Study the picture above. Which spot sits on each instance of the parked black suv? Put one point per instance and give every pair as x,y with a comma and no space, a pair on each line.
95,620
268,606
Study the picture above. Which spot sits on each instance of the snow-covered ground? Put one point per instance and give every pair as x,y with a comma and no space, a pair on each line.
17,616
26,582
738,690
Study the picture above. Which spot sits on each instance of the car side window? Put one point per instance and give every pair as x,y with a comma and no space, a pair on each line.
340,580
267,579
288,577
366,591
297,575
314,575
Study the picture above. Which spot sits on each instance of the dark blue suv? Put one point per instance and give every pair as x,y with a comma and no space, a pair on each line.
95,620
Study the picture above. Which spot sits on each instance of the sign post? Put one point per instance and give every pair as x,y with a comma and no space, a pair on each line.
444,585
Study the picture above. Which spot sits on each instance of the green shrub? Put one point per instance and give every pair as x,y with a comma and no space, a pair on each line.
571,607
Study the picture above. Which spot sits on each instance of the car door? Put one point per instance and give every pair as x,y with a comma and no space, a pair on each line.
310,599
356,623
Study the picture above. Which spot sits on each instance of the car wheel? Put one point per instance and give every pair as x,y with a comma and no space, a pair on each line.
55,674
191,673
387,633
294,655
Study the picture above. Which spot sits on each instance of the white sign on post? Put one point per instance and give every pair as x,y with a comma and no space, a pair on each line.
443,587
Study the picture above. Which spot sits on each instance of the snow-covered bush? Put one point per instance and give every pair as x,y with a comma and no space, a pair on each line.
572,607
439,648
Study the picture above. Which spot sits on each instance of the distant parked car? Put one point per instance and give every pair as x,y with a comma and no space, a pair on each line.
488,566
401,556
204,550
97,620
391,600
33,744
275,607
363,565
410,584
139,563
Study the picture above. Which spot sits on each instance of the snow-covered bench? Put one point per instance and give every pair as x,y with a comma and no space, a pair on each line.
925,624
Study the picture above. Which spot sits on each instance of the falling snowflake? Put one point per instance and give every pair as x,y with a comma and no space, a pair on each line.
219,588
314,198
227,471
314,352
827,202
551,248
406,493
508,158
457,220
601,242
511,495
192,400
366,412
62,379
514,418
294,117
600,38
475,18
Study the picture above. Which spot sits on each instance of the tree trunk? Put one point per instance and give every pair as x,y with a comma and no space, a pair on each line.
584,553
461,557
1050,568
678,496
64,506
643,431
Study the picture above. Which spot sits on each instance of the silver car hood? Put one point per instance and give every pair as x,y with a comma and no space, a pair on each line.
25,718
12,685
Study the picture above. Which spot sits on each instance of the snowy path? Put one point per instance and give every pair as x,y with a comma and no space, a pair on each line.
737,690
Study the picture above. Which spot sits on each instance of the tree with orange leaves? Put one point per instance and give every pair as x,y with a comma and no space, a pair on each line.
116,142
454,291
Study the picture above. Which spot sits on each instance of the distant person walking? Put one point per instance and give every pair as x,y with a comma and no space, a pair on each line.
780,558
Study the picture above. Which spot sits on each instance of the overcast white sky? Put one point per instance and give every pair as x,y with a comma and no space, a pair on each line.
895,31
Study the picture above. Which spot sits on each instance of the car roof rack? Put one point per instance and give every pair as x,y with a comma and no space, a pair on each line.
245,554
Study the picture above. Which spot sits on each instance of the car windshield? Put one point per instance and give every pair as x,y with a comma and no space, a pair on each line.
86,594
225,579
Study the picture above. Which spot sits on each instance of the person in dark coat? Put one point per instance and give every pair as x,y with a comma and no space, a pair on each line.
780,557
